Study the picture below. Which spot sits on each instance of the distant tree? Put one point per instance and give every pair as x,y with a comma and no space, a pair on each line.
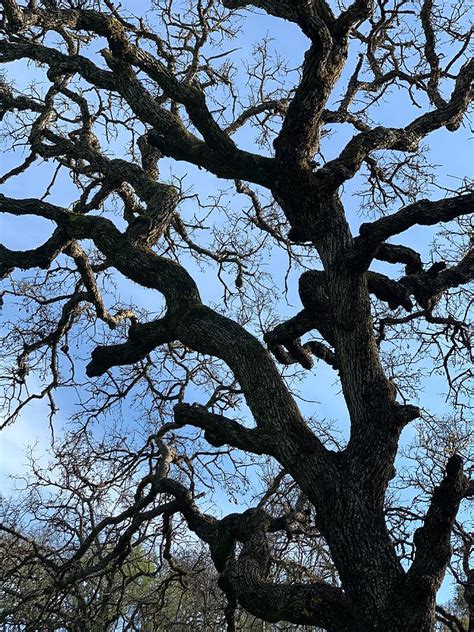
455,614
116,114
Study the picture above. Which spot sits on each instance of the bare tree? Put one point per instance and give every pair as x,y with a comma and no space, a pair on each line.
330,536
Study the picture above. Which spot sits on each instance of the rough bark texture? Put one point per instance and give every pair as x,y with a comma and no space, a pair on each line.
347,488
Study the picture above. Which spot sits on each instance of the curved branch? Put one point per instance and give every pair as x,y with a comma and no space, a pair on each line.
305,14
204,331
407,139
354,15
288,333
40,257
316,603
427,287
423,213
433,539
391,292
393,253
220,430
142,266
143,338
169,134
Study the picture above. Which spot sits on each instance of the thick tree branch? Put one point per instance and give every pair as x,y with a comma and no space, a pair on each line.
423,212
450,115
246,577
203,525
40,257
287,335
426,16
391,292
307,15
433,539
317,603
428,286
11,102
220,430
353,16
198,327
143,338
299,137
393,253
168,134
145,267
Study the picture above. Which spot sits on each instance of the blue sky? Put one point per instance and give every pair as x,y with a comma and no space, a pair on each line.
451,151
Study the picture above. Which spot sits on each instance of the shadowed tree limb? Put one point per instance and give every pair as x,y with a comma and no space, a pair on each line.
356,13
40,257
422,213
196,326
162,101
143,338
406,139
246,576
220,430
308,15
427,287
433,539
393,253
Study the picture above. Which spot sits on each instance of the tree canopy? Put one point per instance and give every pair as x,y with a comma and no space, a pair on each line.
243,228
